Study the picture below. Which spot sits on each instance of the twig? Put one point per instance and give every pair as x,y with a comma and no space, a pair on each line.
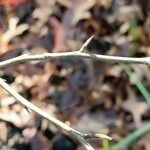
80,137
76,54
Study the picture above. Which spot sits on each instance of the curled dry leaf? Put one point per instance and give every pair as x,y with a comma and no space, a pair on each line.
57,33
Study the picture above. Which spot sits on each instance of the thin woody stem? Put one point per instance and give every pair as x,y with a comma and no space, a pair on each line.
74,54
78,53
80,137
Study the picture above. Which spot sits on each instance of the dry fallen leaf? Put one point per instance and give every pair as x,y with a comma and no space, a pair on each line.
93,121
13,31
136,107
42,13
142,72
79,10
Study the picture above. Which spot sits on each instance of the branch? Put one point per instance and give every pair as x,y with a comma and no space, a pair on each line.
80,137
76,54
